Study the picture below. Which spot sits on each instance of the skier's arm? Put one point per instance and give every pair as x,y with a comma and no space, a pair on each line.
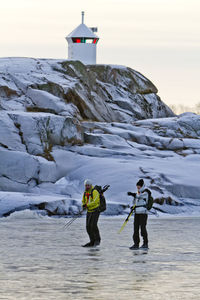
131,194
84,203
134,200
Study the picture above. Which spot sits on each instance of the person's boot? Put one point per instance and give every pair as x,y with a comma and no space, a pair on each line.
96,243
90,244
134,247
144,246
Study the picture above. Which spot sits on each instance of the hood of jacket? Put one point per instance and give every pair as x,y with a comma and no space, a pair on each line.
142,188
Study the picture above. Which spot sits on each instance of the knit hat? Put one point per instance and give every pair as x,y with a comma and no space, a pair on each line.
87,182
140,182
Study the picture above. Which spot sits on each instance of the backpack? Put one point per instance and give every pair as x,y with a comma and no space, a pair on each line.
102,206
150,199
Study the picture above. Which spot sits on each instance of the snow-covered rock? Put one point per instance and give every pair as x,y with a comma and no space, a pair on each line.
96,92
62,122
37,133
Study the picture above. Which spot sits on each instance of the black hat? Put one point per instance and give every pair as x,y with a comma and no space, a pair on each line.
140,182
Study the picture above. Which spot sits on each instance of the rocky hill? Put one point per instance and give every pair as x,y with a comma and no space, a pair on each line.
62,121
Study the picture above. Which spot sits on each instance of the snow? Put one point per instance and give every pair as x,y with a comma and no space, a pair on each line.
58,126
9,136
14,166
43,99
109,159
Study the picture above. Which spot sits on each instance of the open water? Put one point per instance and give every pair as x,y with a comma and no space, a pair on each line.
41,260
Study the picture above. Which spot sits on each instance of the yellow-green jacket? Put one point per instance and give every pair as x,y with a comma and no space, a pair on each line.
92,201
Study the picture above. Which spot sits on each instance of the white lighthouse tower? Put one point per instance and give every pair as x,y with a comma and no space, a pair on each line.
82,42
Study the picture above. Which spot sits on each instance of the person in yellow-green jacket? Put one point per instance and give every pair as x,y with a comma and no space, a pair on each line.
91,202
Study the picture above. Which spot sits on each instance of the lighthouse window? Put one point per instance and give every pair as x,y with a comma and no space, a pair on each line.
89,41
85,40
78,40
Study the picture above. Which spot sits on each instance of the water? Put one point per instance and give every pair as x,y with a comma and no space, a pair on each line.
40,260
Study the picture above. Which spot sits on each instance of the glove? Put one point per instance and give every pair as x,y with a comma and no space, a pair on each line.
84,206
131,194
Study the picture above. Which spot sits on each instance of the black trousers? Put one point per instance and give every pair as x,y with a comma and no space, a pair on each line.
91,226
140,222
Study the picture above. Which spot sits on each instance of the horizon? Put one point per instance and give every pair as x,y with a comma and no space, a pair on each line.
159,40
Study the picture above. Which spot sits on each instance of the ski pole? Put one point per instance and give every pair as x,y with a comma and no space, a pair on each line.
105,187
73,219
127,219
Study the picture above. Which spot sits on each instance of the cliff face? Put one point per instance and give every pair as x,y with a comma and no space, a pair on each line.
96,93
62,121
44,102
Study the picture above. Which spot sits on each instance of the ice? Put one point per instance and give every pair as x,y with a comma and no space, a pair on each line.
42,260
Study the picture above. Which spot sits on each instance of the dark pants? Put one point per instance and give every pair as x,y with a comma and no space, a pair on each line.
140,222
91,226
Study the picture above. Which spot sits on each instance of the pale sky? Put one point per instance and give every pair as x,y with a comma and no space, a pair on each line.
159,38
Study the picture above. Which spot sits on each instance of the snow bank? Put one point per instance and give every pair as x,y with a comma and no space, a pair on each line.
62,122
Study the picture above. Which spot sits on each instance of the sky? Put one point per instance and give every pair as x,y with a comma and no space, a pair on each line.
159,38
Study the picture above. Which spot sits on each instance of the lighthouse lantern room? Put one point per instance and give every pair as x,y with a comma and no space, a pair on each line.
82,42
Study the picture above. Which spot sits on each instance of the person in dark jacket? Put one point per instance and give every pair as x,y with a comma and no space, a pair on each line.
140,200
91,202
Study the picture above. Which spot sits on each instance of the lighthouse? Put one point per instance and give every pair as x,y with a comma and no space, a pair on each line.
82,43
